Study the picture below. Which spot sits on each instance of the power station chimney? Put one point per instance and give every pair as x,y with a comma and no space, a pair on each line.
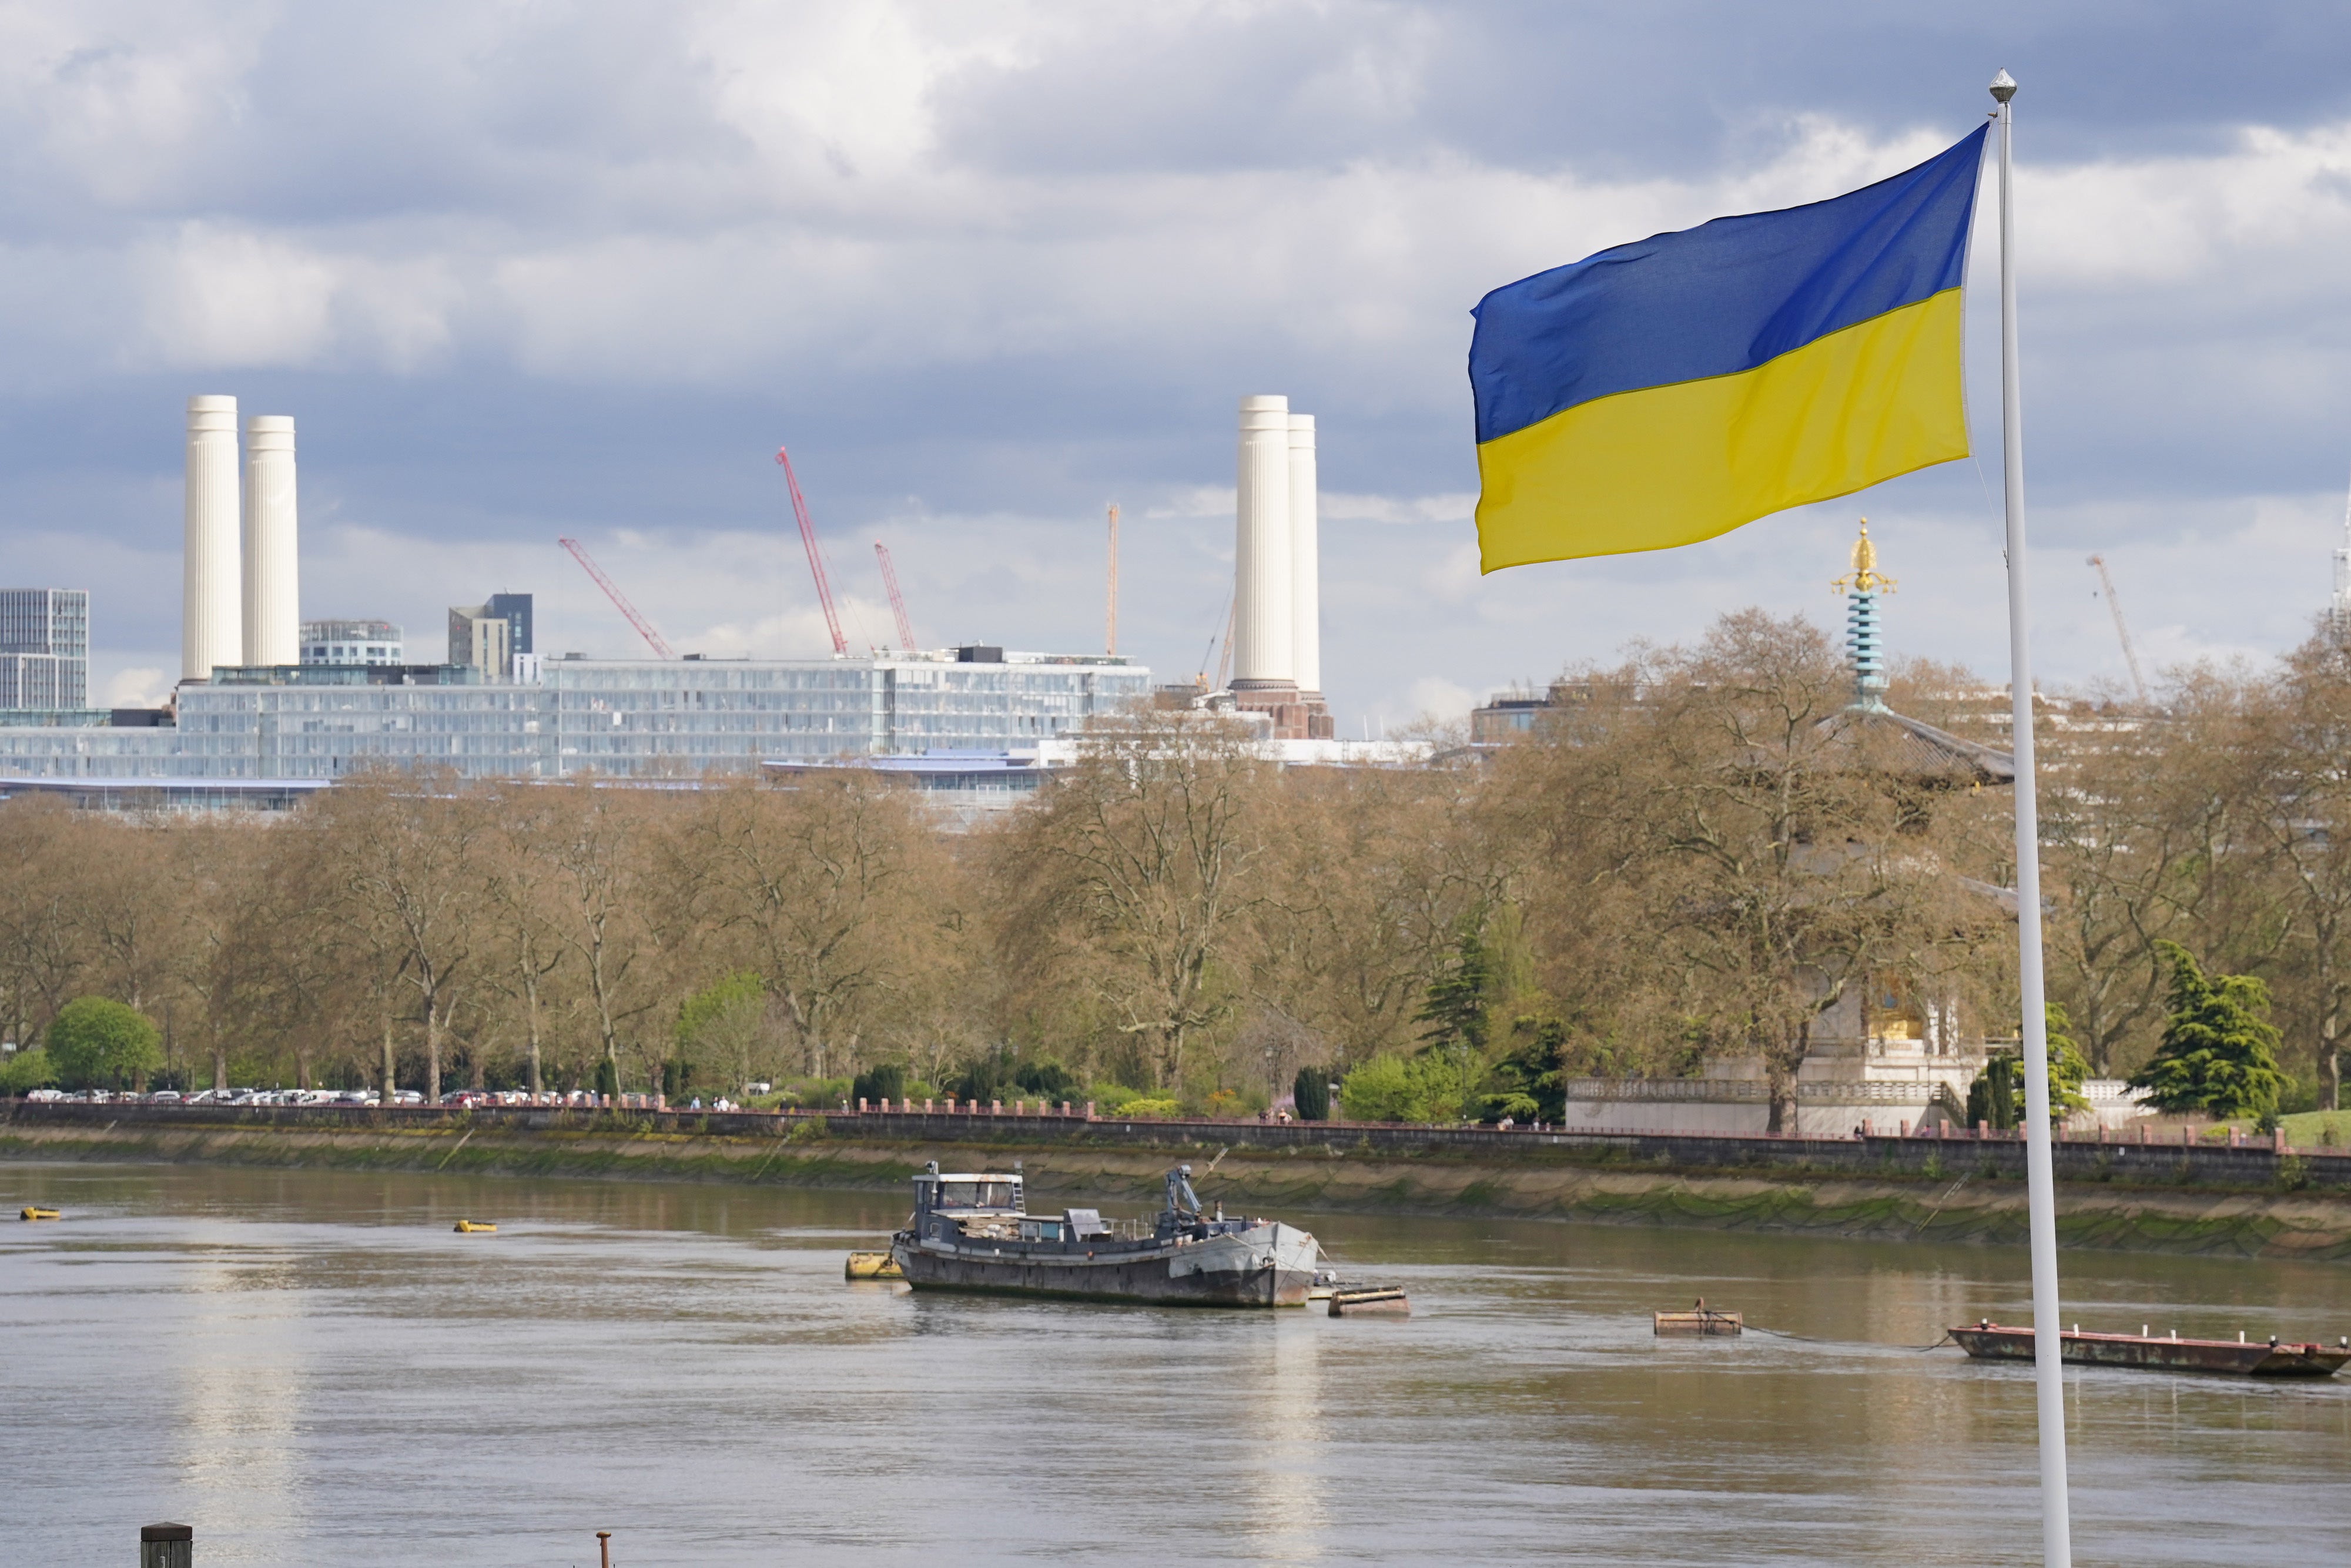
212,628
1306,564
1263,653
273,615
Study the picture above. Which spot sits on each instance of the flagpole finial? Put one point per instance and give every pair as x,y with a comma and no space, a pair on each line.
2003,86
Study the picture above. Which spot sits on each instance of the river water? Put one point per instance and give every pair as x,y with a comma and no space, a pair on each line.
313,1367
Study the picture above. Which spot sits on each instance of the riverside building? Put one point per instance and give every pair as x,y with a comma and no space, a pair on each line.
624,719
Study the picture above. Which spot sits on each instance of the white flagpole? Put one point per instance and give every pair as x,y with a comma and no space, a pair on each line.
2048,1367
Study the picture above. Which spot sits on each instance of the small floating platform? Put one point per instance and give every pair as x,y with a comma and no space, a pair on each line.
1988,1341
37,1214
1699,1320
1369,1301
475,1227
872,1266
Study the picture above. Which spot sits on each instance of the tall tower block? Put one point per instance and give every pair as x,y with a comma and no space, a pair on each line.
1262,650
211,619
1306,564
272,597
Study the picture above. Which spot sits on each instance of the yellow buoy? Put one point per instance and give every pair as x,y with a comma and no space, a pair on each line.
37,1214
474,1226
872,1266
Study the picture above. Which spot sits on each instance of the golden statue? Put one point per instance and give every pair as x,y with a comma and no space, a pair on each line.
1864,577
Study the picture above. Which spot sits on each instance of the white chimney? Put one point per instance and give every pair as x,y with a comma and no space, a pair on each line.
1262,650
210,624
273,615
1305,563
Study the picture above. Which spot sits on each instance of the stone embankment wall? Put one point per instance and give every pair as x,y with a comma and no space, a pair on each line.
2077,1157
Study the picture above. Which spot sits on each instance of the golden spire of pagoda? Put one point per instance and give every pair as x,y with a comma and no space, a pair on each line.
1864,577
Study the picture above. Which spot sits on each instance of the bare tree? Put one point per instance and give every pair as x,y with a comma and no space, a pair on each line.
404,855
1130,877
828,890
521,887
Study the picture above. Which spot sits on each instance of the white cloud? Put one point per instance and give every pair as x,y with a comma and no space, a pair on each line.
137,685
1429,697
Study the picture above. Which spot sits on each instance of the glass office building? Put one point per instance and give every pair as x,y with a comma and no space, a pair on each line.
627,718
44,648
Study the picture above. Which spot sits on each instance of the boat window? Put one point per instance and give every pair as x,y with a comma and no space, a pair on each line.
979,1194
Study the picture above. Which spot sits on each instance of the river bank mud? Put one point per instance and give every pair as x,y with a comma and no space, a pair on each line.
1960,1203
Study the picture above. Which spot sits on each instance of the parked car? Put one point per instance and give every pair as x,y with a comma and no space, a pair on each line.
409,1097
47,1094
356,1097
164,1097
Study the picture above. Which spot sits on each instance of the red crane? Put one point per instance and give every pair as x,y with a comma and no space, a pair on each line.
620,600
897,600
815,561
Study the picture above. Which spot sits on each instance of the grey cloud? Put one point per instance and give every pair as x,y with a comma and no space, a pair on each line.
578,268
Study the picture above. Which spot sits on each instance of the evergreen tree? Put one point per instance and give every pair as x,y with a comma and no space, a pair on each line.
2219,1055
1997,1096
1310,1092
1530,1082
1454,1008
883,1081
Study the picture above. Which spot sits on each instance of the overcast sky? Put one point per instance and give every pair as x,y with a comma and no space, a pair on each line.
528,268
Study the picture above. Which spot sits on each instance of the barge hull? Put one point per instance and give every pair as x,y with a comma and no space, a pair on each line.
1996,1343
1142,1281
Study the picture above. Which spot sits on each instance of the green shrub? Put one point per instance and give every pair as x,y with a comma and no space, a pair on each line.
98,1043
884,1081
1140,1107
1380,1089
1049,1079
1431,1087
27,1069
1108,1098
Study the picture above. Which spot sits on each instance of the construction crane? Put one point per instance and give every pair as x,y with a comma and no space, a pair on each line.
815,561
620,600
1201,680
2122,627
897,600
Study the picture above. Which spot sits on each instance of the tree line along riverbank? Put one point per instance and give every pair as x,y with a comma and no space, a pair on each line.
2246,1202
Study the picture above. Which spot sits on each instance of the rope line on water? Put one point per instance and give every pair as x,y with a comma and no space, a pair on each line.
1807,1339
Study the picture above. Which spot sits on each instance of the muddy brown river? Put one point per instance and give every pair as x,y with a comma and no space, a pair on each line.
313,1368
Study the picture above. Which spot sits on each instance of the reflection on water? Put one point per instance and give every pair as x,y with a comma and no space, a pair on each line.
314,1367
237,1363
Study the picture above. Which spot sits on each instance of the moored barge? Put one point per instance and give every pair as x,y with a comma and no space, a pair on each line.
1988,1341
974,1233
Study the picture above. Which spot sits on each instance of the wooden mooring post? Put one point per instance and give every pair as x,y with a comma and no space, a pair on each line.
166,1546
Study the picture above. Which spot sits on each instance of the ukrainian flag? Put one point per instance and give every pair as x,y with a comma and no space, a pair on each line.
1665,391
